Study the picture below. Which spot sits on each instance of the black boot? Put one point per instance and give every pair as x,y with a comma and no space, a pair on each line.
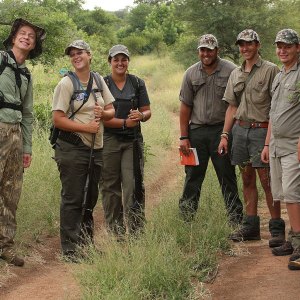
249,231
277,230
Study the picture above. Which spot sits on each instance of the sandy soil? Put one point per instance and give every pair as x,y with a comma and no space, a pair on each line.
254,273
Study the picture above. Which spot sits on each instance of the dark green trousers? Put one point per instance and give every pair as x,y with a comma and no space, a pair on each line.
119,183
72,162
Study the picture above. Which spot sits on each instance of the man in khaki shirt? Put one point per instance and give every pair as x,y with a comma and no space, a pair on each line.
284,139
16,117
248,94
202,114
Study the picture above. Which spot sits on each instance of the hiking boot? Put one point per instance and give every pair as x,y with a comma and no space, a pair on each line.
245,234
249,231
277,241
277,230
285,249
10,257
294,263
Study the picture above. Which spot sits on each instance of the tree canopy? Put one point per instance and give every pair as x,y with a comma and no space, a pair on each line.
154,25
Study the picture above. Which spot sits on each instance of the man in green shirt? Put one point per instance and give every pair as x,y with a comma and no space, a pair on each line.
16,117
248,94
283,139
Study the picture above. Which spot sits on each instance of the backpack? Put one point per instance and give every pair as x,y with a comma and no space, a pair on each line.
18,72
77,88
77,92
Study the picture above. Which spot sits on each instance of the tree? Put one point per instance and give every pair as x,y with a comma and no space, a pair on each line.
226,18
59,27
162,19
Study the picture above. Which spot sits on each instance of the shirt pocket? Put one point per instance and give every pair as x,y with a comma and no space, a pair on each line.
197,84
221,84
293,93
260,86
238,89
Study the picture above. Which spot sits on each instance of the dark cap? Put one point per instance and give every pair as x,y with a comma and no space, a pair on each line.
40,36
287,36
78,44
247,35
118,49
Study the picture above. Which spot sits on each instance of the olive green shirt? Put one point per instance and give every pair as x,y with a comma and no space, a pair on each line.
204,92
11,94
61,101
254,101
285,112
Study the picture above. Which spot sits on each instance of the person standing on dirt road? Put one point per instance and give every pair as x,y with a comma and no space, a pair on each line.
16,117
202,114
283,139
123,201
248,94
79,146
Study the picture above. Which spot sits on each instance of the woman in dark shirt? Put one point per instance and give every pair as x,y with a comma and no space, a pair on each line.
123,189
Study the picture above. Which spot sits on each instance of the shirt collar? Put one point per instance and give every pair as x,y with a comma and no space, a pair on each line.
258,64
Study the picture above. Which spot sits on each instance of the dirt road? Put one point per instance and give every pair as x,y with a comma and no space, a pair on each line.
254,273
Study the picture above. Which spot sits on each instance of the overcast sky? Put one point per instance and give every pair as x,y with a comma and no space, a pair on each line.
109,5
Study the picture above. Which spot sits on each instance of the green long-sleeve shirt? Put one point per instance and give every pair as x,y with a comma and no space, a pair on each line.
11,94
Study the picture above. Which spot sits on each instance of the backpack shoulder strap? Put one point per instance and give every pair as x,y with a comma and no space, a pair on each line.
136,83
106,79
97,78
76,83
76,87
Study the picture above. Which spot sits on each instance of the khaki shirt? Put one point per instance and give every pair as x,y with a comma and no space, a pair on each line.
11,94
61,101
285,112
254,101
204,92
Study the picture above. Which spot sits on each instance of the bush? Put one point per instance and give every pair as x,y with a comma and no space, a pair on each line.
42,116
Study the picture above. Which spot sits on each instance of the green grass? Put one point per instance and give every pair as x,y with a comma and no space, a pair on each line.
38,210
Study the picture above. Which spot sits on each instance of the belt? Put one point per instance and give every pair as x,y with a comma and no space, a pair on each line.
246,124
194,126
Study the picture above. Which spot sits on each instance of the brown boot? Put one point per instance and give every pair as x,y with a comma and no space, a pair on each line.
277,230
285,249
10,257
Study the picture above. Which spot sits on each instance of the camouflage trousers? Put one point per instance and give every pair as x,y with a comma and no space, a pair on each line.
11,176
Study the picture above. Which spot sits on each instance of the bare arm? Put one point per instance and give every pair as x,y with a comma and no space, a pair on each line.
229,120
265,153
184,120
61,121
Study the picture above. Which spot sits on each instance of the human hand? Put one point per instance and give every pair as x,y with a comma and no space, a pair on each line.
223,146
135,115
93,126
264,156
26,160
185,146
98,111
